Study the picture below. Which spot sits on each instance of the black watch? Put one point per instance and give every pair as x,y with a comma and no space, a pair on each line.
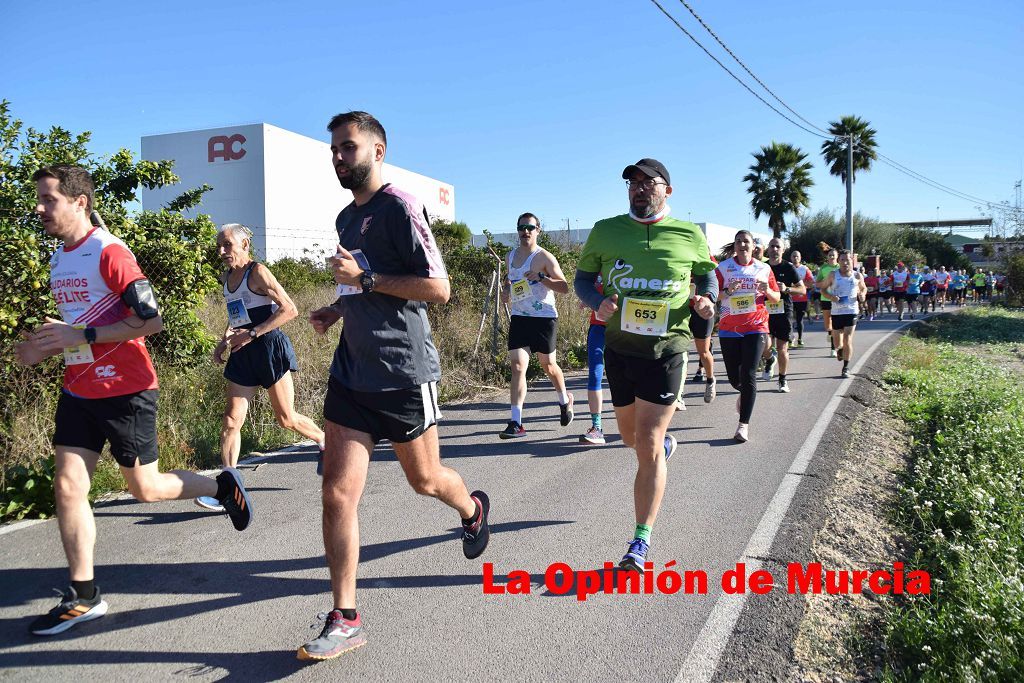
367,281
90,335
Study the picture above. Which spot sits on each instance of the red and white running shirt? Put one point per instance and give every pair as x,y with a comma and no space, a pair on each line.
899,280
743,312
87,280
806,277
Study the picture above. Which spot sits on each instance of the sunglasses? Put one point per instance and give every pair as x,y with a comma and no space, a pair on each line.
527,227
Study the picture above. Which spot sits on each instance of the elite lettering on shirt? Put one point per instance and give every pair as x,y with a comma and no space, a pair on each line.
70,290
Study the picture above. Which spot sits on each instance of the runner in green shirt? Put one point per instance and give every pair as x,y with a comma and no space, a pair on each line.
652,265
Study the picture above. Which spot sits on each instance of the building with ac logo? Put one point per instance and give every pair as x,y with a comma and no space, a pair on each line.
278,183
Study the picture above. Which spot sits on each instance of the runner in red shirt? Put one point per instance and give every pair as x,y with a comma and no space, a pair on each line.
744,285
110,387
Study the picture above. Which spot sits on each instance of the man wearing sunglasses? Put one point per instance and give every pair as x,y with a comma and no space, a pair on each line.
533,278
653,267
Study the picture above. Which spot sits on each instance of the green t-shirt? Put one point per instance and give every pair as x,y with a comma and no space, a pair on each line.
649,267
824,271
979,279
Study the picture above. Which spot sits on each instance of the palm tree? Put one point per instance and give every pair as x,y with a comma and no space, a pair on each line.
778,182
864,145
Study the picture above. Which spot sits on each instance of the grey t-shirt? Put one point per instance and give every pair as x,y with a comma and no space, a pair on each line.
385,341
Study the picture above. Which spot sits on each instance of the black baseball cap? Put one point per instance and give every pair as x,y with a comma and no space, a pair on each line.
652,168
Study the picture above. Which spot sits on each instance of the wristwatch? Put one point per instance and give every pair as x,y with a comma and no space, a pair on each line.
90,335
367,281
253,334
541,277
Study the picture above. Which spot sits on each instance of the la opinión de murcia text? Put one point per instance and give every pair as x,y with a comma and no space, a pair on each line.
561,579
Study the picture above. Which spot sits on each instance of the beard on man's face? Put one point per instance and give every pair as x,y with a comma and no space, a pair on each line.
646,206
358,175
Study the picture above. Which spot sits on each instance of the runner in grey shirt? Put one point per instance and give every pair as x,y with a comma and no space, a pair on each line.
384,374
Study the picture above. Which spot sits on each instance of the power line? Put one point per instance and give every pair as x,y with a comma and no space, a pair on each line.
886,160
735,77
752,75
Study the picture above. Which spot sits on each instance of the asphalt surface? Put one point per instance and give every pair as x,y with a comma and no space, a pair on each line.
191,597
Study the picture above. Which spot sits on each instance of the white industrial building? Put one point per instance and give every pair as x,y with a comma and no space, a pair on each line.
278,183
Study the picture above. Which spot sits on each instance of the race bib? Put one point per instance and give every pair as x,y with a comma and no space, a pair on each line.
742,303
237,315
364,263
870,289
775,308
521,291
78,355
644,316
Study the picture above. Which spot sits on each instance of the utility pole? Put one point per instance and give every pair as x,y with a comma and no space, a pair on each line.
849,194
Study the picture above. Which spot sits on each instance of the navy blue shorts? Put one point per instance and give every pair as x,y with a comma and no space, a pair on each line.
262,362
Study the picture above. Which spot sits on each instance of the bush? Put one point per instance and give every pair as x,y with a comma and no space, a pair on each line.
961,507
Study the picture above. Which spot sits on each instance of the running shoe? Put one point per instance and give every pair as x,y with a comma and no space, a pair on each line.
800,343
338,636
71,610
635,557
209,503
699,375
237,503
476,535
769,367
832,353
670,446
742,433
513,430
566,412
900,317
710,390
784,386
846,373
593,435
679,404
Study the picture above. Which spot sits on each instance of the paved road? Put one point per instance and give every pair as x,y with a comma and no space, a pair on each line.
190,597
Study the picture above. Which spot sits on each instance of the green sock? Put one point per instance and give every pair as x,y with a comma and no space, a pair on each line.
643,531
595,420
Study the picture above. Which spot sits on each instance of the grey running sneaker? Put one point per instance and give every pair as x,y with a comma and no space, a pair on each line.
594,436
784,386
209,503
710,390
70,611
846,373
338,636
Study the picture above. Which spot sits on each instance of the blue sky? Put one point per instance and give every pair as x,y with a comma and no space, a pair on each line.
537,106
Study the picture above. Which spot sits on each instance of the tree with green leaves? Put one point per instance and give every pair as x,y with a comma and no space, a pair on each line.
778,183
864,145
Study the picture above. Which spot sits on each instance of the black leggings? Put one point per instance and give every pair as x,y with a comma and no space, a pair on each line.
799,311
741,355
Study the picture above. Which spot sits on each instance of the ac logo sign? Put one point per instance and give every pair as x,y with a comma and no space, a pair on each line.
223,147
105,371
444,197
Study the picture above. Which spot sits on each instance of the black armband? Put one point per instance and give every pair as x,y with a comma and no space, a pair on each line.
139,297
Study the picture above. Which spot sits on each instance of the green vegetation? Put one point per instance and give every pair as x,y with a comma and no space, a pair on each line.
961,505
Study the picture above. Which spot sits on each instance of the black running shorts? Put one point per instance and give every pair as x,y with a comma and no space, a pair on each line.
128,422
699,327
655,380
840,322
780,327
826,305
537,334
399,416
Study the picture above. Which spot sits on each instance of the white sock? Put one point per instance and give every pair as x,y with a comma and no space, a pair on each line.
517,414
563,398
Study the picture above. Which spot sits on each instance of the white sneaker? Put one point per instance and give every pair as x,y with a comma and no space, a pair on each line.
710,390
832,353
209,503
680,405
766,376
741,433
670,446
784,386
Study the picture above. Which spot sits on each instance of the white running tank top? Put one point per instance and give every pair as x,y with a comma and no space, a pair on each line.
531,299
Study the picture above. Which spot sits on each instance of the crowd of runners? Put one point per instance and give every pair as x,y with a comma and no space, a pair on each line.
649,278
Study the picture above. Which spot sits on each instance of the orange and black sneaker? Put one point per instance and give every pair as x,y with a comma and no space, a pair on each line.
70,611
236,501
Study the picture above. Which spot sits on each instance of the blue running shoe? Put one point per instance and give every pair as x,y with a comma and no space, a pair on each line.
635,557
